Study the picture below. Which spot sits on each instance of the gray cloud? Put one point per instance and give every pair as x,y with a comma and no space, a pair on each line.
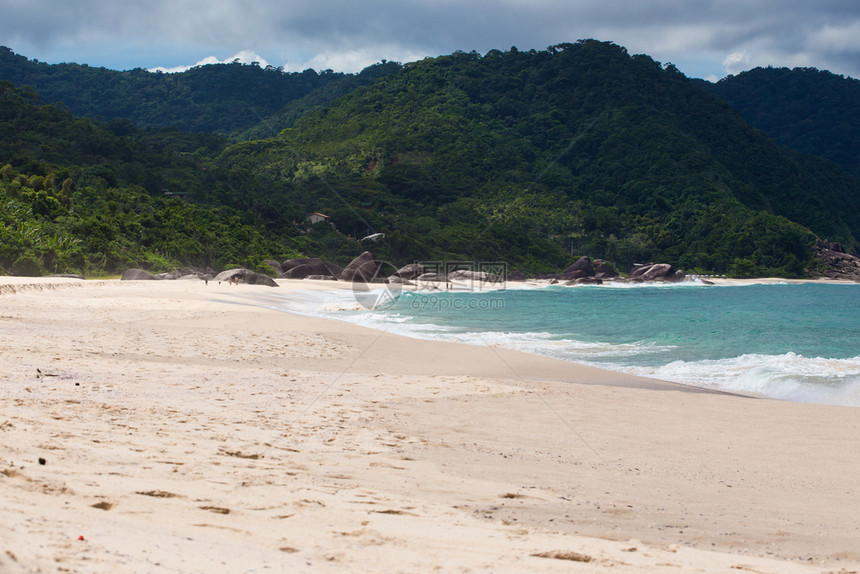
721,36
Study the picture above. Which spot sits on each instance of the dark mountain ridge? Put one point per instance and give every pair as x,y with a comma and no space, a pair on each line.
813,111
217,98
580,148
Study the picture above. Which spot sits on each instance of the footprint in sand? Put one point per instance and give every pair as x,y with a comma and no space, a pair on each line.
157,493
216,509
395,512
561,555
240,454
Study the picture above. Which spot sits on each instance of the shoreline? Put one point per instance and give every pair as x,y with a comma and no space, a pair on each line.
693,378
183,426
558,369
18,284
720,281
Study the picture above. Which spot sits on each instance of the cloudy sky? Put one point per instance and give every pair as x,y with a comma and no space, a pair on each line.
704,39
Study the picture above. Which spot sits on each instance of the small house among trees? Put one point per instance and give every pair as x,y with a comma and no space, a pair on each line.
315,218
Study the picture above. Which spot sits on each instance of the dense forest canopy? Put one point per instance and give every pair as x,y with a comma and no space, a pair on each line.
813,111
582,148
218,98
80,197
532,158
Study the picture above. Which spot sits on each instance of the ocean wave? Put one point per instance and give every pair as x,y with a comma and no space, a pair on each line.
559,347
656,285
789,376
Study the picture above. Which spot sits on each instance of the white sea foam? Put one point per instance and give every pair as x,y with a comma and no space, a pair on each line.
336,306
569,349
788,376
648,285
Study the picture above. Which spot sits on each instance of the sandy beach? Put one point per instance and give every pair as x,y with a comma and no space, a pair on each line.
174,426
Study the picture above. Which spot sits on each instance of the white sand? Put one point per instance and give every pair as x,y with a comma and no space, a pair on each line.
183,433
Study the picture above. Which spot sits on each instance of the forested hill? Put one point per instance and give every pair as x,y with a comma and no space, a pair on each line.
79,197
531,156
220,98
813,111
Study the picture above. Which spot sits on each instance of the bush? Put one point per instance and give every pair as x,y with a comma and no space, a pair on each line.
742,268
27,266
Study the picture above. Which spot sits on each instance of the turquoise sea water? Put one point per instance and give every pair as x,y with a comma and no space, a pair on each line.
794,342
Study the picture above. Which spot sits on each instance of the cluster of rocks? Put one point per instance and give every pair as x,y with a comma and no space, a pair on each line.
239,275
245,277
306,268
412,272
837,263
584,271
656,272
366,269
420,273
363,268
195,273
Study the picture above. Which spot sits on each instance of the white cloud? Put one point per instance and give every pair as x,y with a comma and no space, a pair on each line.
764,55
346,36
243,57
352,61
736,62
842,37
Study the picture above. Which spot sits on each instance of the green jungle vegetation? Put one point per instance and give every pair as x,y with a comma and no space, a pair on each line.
217,98
79,197
531,158
816,112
